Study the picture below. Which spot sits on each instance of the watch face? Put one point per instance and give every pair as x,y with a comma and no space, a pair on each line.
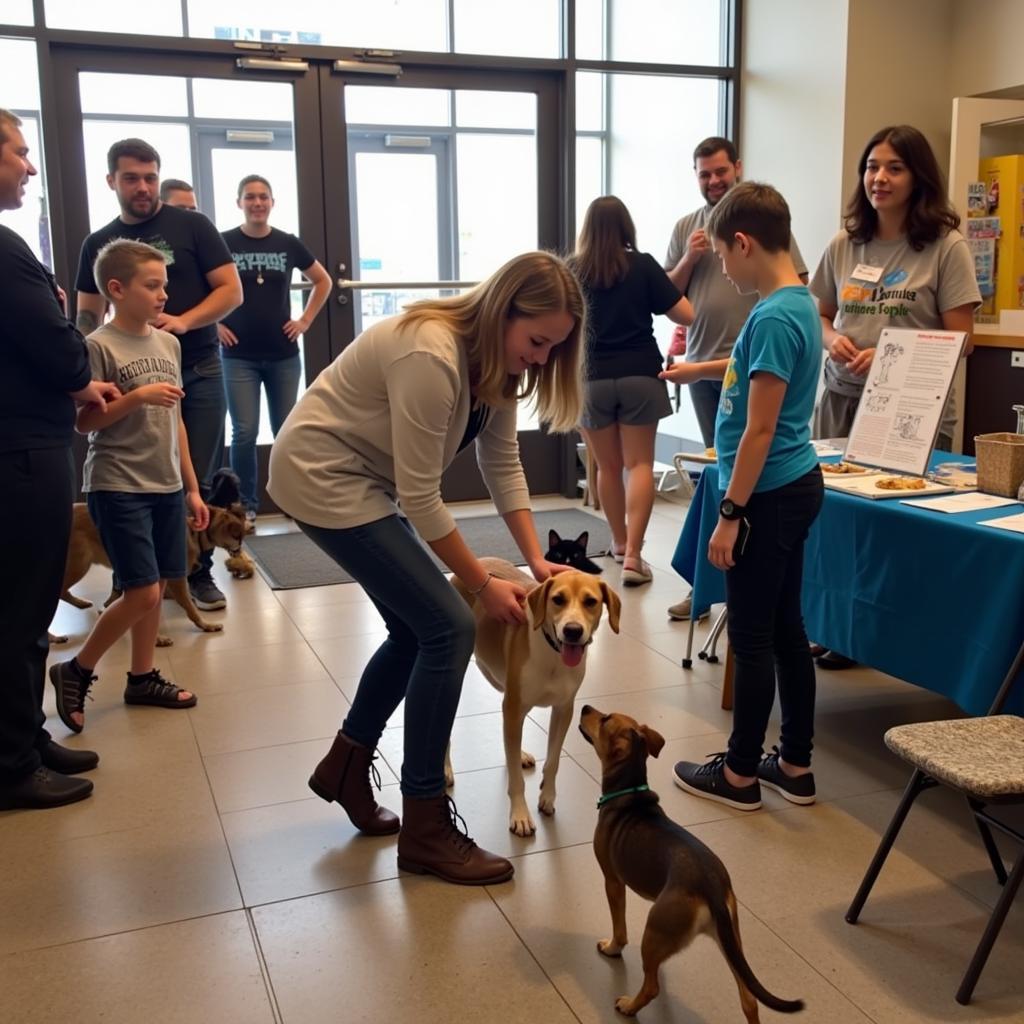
727,507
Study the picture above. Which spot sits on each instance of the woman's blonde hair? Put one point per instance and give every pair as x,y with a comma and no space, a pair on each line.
530,285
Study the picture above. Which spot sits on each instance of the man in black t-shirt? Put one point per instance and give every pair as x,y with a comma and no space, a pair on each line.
202,288
45,368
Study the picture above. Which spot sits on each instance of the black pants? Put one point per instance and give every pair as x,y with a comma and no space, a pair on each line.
766,625
35,524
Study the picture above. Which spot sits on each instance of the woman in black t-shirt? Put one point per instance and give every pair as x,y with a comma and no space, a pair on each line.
259,340
624,397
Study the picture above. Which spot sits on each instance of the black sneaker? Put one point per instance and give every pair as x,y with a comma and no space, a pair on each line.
796,789
72,687
708,780
205,592
43,788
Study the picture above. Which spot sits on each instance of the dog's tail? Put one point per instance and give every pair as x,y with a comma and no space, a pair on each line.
728,939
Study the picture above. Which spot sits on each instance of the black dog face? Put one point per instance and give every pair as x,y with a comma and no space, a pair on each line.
571,552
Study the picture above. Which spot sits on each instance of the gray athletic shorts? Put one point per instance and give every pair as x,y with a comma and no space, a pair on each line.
635,401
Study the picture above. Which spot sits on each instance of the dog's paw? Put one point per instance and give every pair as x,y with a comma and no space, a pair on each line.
526,759
546,803
521,823
164,641
626,1005
609,947
212,627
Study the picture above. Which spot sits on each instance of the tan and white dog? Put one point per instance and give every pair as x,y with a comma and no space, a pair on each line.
539,663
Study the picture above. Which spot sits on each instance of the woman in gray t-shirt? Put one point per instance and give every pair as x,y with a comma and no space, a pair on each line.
899,262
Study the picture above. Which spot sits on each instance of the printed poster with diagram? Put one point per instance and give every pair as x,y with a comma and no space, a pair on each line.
904,397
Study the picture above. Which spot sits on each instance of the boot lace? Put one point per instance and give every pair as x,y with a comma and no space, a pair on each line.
714,766
459,830
75,691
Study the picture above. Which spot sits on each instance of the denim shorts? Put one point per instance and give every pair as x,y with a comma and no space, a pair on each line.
636,401
143,534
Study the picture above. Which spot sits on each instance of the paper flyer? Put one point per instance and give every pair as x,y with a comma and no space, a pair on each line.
904,396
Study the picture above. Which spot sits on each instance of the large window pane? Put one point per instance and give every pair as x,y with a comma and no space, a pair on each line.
491,232
239,100
589,102
655,31
390,105
523,28
21,74
171,141
395,24
17,12
479,109
157,19
589,174
102,93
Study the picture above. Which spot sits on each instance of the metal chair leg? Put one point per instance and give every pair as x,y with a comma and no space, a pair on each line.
990,844
688,657
919,782
995,923
708,651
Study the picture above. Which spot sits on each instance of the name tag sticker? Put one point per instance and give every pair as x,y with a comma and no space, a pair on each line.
866,272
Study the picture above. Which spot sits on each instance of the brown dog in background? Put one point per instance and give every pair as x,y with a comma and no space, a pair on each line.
638,845
85,549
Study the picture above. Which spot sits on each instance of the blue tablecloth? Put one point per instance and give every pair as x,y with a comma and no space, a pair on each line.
929,597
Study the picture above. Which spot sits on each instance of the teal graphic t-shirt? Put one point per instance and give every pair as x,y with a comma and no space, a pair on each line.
782,336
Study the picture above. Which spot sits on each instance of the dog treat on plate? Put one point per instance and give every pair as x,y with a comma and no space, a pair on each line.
900,483
841,467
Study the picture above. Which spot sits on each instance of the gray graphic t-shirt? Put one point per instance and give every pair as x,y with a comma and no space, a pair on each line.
138,454
719,310
911,290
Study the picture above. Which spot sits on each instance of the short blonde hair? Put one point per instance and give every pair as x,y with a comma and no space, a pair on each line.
530,285
119,260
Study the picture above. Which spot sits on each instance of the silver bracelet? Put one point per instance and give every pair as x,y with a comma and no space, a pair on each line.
480,589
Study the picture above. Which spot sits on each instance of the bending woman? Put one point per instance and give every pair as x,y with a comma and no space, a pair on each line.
375,431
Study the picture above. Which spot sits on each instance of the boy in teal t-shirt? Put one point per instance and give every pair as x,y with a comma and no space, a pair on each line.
772,487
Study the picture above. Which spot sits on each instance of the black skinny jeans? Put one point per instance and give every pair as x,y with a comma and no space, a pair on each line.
766,625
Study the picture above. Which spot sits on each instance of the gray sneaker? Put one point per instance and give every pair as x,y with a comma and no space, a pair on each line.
205,592
681,612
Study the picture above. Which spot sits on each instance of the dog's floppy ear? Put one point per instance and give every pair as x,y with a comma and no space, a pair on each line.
537,599
655,741
614,603
553,538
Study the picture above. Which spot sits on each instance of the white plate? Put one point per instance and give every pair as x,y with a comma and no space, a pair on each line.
863,486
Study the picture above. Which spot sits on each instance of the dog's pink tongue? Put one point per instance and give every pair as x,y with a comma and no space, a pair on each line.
572,654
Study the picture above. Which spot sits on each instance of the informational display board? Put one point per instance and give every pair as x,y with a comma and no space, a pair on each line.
900,410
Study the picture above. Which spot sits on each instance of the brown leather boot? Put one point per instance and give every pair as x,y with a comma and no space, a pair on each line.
431,842
344,775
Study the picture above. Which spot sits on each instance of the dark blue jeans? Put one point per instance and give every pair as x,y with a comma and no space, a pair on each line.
431,633
705,396
766,626
203,409
243,379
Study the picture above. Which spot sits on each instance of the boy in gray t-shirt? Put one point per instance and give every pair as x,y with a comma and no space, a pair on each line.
138,458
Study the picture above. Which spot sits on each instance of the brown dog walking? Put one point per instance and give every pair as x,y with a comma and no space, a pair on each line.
639,846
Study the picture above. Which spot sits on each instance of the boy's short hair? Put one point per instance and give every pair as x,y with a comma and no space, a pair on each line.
8,120
119,260
135,149
169,185
715,144
755,209
249,179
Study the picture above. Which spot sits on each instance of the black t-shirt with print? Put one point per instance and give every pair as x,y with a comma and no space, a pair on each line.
193,248
621,340
265,266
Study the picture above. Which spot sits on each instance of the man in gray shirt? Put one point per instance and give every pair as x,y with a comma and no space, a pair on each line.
719,309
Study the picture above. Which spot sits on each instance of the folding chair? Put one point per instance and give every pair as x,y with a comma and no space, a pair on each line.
983,758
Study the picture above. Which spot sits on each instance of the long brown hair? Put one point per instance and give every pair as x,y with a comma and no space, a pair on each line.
608,233
930,215
529,285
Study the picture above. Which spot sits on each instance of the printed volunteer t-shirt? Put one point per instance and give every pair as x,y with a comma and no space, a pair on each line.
719,310
782,336
193,247
913,289
138,454
621,342
265,266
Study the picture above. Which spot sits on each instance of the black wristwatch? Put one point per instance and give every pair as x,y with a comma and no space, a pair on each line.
728,509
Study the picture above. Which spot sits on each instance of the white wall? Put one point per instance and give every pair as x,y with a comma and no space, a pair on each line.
792,109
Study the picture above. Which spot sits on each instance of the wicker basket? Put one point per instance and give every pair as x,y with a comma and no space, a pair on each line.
1000,459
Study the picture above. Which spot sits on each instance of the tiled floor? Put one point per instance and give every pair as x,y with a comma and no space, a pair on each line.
204,882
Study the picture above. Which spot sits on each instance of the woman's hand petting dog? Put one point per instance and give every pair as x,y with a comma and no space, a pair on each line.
542,569
503,600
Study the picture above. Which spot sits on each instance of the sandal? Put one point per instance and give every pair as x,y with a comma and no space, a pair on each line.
633,577
157,692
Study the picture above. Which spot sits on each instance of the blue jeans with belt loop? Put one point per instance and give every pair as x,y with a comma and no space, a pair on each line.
431,633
